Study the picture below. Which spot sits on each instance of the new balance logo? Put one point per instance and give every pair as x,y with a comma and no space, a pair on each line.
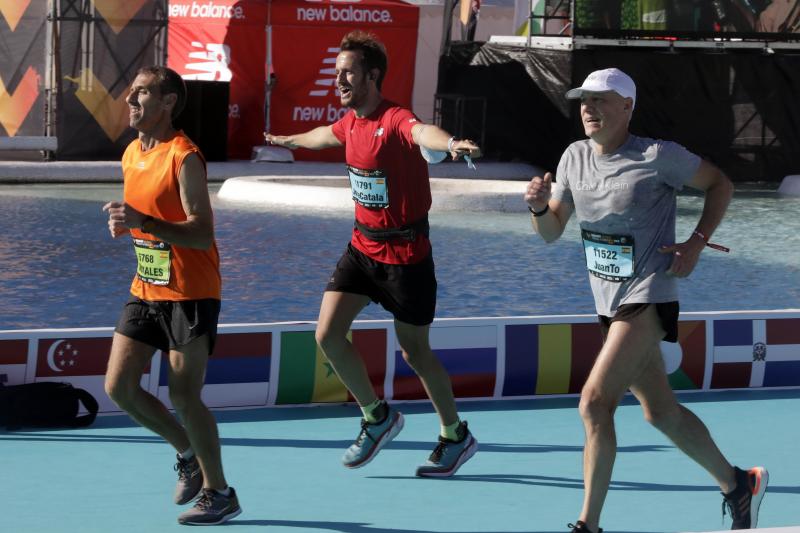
327,75
214,60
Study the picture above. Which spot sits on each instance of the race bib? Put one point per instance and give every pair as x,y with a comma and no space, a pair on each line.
369,187
608,257
153,261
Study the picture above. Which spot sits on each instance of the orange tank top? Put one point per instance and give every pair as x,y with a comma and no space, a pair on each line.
164,271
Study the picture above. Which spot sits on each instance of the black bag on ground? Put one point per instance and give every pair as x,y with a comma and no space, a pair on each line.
45,404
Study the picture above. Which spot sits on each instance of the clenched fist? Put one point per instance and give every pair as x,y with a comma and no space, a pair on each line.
538,192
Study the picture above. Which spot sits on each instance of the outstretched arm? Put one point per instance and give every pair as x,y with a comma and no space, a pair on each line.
316,139
435,138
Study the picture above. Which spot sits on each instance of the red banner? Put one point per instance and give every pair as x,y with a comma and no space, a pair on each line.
305,40
225,40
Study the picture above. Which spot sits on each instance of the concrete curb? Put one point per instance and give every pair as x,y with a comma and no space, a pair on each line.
111,171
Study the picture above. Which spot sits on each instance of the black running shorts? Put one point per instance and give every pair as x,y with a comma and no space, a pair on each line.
406,291
667,313
170,325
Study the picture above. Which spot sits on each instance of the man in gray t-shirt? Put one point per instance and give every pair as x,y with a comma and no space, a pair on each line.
629,192
623,189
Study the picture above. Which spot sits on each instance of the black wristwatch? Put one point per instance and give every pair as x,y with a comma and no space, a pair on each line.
539,213
145,221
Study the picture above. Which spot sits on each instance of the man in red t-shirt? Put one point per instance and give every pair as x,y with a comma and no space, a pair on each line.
388,259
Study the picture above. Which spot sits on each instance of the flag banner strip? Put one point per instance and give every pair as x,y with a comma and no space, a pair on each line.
455,361
455,337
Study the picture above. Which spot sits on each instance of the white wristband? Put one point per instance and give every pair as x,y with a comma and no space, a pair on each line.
450,144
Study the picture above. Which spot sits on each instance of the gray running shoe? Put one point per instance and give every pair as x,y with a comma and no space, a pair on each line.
212,508
449,455
372,438
190,480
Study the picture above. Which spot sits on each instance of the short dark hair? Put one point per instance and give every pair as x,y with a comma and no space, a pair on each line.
373,52
169,82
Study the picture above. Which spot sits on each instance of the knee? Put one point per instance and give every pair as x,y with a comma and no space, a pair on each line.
327,339
412,358
595,408
417,354
119,391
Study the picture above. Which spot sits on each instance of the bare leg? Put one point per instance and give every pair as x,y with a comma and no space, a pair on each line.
187,368
126,365
678,423
418,354
623,357
336,314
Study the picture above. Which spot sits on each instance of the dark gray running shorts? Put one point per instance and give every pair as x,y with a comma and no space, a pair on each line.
170,325
667,312
406,291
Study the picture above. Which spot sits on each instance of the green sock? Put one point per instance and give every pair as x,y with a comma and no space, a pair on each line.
451,432
372,410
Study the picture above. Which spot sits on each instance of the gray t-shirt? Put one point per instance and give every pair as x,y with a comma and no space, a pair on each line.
624,196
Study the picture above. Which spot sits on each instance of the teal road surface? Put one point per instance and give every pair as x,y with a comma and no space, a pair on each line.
526,477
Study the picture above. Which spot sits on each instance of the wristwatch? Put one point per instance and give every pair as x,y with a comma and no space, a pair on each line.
147,224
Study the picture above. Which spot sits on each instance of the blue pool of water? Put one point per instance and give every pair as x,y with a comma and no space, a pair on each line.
60,268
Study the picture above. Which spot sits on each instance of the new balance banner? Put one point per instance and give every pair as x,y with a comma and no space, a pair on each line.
305,43
468,354
237,374
225,41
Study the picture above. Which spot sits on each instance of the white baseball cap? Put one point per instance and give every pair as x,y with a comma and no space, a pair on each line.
609,79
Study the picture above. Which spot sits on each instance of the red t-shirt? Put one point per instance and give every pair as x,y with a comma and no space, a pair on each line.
389,179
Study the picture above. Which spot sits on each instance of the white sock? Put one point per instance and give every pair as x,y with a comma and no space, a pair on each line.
187,454
226,491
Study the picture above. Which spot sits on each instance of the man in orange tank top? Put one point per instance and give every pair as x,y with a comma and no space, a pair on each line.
175,295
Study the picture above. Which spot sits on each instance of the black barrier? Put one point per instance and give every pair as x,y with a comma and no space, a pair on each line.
738,108
205,117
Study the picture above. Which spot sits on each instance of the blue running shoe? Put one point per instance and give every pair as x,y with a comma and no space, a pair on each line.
372,438
449,455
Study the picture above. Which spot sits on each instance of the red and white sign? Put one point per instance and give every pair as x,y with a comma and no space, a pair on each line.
305,43
226,40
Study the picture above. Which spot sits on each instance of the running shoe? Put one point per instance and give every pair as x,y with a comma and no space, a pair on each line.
449,455
190,480
212,508
372,438
580,527
743,502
